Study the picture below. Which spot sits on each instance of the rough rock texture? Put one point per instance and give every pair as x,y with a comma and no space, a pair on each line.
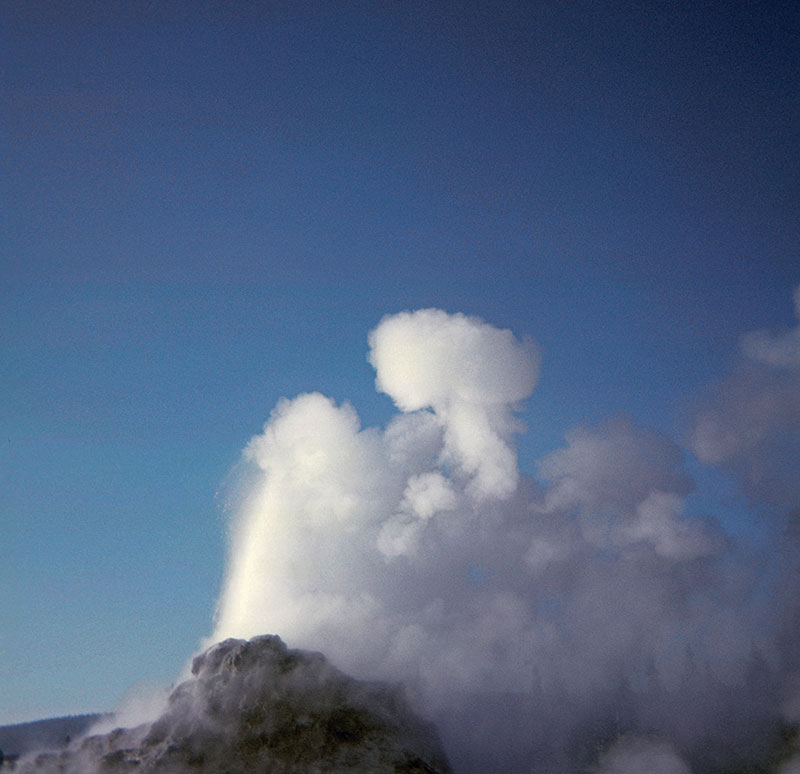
255,707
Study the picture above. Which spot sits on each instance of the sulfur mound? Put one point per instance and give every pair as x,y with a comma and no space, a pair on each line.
256,707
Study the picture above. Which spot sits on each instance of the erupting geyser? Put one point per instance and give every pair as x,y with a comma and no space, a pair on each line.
536,620
584,620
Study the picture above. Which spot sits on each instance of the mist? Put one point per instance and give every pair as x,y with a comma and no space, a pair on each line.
577,616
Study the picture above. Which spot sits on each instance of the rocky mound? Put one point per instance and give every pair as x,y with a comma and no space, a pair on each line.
258,707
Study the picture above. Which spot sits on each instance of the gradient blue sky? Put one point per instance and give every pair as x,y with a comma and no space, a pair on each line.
207,205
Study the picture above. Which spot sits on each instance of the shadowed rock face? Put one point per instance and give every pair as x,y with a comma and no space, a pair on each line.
259,707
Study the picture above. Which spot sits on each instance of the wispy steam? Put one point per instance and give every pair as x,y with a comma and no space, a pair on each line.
627,486
780,351
636,756
419,553
751,424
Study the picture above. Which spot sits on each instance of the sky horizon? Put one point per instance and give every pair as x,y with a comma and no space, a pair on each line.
209,207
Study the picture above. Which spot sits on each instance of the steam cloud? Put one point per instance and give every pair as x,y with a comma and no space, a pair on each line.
636,756
521,612
752,423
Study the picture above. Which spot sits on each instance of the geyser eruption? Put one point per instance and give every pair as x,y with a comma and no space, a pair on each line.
368,543
584,618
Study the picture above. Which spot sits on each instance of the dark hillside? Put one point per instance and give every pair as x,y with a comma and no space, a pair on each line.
49,734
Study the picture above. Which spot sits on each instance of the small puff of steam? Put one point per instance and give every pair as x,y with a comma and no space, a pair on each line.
778,350
429,358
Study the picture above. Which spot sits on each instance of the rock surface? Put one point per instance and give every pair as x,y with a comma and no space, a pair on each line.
257,706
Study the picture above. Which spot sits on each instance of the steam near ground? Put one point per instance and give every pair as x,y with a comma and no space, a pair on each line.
581,617
529,614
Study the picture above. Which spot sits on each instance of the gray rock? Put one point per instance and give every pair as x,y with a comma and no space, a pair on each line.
257,706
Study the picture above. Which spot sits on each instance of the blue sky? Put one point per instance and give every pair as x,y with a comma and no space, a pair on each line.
207,206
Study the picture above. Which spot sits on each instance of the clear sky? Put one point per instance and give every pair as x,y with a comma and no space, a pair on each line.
207,206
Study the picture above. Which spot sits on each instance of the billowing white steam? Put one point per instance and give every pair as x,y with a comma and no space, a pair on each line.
359,541
418,552
471,375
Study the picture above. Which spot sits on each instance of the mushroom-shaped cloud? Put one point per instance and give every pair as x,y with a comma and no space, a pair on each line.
472,375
